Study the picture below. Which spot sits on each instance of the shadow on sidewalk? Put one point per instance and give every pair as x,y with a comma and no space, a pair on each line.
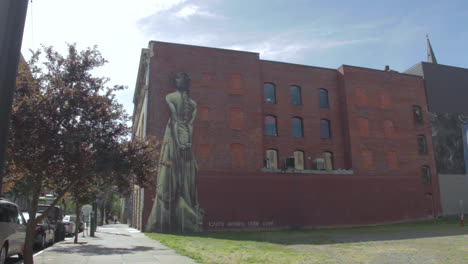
101,250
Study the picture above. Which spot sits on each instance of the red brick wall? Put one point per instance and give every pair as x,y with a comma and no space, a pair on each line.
230,145
390,97
284,200
310,79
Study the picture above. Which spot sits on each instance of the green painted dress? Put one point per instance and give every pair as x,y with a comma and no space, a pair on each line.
175,208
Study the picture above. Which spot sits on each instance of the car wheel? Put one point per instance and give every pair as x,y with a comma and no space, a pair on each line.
3,254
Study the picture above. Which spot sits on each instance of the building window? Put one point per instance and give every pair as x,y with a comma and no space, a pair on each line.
295,95
328,158
392,160
389,129
385,100
417,113
205,150
271,159
323,98
299,160
363,127
367,160
238,155
236,118
270,126
269,93
422,145
207,78
204,113
361,97
236,84
297,127
325,131
426,175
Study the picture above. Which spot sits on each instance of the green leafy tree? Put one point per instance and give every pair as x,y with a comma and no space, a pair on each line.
68,133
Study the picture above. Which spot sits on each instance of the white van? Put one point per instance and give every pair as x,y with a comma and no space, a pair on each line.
12,230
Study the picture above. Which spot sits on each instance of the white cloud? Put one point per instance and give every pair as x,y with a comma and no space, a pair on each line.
193,10
282,49
164,5
187,11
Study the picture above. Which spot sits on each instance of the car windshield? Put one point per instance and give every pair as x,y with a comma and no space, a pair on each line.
70,218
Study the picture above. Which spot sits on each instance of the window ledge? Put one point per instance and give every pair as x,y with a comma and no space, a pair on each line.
308,171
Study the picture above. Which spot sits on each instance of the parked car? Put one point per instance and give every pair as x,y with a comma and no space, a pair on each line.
69,221
55,219
44,231
12,230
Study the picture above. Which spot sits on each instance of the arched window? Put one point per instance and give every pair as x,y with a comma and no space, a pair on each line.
328,158
299,160
271,159
297,127
325,131
323,98
270,126
417,114
426,175
269,93
295,92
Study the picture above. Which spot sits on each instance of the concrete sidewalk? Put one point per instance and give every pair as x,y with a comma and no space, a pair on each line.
113,244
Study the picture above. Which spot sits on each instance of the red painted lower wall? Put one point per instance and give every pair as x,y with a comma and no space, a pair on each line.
278,200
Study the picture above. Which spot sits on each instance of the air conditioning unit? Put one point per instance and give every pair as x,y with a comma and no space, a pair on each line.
319,164
290,164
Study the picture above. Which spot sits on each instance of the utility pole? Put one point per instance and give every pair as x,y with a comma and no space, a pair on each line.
12,19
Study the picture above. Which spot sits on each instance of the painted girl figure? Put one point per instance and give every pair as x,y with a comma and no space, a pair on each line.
175,208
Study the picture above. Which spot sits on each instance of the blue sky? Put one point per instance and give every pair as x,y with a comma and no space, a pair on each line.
319,33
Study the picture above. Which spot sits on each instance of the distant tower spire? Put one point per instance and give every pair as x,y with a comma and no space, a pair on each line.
430,53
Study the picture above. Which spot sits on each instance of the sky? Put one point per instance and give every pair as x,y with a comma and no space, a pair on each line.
326,34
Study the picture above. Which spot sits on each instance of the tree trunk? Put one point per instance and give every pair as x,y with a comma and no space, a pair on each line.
29,243
77,224
64,204
31,226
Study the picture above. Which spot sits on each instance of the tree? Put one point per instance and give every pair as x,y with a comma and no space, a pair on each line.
68,133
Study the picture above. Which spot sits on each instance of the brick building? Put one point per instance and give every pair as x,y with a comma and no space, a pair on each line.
446,90
286,145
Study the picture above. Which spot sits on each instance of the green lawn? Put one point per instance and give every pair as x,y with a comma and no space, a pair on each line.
435,241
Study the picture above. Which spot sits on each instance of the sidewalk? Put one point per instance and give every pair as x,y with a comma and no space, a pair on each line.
113,244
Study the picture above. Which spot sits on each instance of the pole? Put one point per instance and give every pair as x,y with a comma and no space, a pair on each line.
12,19
93,219
462,214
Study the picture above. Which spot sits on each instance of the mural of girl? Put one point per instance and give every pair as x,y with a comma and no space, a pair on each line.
175,208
